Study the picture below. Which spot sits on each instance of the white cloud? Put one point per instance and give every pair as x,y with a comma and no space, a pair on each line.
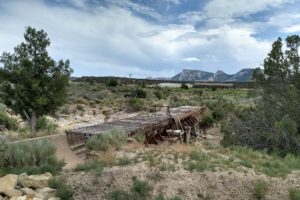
113,41
286,22
191,59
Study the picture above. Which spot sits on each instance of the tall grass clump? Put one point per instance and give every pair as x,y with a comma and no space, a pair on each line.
33,157
260,189
63,190
294,194
114,139
43,124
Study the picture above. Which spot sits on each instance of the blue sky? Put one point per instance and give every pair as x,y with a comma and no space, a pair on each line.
155,38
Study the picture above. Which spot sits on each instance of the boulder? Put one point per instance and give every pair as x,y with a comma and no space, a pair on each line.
8,182
1,197
45,193
24,198
35,181
54,198
27,191
12,192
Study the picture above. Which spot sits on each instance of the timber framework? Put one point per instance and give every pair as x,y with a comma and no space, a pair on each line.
175,124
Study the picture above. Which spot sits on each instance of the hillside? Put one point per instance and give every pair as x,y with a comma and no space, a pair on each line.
198,75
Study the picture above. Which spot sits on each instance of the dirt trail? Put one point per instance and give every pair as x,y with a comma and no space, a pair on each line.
63,150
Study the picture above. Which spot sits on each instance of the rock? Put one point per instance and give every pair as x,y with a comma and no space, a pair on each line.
35,181
28,192
1,197
12,192
45,193
8,182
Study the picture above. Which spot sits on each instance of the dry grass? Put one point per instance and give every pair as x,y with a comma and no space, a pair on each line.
181,149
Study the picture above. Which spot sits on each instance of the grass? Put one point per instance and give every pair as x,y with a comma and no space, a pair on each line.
33,157
294,194
260,189
141,188
102,142
63,191
96,166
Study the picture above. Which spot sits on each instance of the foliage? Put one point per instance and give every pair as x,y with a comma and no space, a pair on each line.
9,122
140,93
294,194
63,191
274,122
136,104
184,86
140,188
32,83
43,124
112,83
114,138
32,157
207,121
96,166
260,189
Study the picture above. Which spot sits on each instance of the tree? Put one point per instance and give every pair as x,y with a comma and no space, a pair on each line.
274,122
31,82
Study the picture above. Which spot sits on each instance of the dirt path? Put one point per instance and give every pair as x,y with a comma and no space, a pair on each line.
63,151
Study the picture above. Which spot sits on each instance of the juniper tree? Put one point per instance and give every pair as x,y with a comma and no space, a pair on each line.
31,82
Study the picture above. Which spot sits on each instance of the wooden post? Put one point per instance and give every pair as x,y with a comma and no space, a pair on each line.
187,133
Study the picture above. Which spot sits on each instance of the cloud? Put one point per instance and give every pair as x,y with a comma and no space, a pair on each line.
191,59
286,22
113,39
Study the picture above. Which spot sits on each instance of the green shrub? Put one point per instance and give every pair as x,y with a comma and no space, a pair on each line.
112,83
119,195
158,94
207,121
114,138
184,86
9,122
294,194
141,188
96,166
260,189
63,191
124,161
43,124
32,157
140,93
136,104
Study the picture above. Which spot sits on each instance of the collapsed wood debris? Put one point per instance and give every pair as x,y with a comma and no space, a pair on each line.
175,124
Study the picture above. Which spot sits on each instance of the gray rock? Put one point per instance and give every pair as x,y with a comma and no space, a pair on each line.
45,193
35,181
12,192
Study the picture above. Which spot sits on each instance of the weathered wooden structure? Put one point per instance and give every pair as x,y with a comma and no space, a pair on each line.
171,125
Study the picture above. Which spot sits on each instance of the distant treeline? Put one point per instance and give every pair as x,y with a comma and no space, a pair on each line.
124,80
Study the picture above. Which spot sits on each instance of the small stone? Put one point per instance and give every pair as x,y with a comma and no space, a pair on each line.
12,192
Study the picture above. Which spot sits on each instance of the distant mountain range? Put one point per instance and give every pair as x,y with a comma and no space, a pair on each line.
244,75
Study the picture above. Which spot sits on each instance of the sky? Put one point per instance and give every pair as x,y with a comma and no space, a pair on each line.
152,38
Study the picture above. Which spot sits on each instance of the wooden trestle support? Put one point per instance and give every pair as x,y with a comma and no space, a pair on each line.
177,124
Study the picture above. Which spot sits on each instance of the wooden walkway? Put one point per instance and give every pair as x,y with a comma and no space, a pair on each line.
176,118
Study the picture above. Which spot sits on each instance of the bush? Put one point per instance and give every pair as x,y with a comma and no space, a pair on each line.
94,166
158,94
141,188
260,189
9,122
136,104
63,191
114,138
140,93
294,194
112,83
43,124
207,121
184,86
33,157
119,195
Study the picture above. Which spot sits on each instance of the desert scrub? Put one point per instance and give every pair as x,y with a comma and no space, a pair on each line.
9,122
101,142
135,104
33,157
260,189
95,166
63,190
294,194
140,188
43,124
